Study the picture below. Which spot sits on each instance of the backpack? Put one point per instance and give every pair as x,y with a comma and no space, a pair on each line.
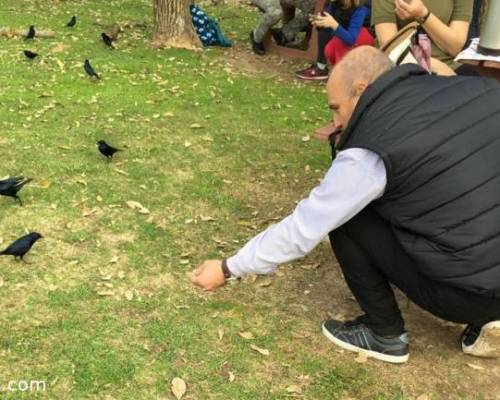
208,29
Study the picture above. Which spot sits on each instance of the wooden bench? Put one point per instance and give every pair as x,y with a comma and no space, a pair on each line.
311,39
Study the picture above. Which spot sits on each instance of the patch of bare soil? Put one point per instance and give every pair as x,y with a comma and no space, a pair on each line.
241,59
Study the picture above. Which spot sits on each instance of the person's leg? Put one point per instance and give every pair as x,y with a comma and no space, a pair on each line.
381,260
365,38
319,70
300,21
324,36
369,285
272,15
336,49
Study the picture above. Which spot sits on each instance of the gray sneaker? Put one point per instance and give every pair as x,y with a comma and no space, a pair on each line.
482,341
356,336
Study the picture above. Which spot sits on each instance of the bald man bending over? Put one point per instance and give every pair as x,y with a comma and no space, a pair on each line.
412,198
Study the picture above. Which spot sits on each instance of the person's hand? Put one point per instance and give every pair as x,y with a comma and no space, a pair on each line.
325,20
414,9
208,275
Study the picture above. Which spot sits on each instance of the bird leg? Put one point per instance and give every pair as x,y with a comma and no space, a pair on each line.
19,200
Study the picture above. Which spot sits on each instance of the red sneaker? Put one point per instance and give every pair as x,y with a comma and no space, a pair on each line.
313,73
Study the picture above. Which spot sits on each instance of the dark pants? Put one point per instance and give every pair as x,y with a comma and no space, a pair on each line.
370,257
324,36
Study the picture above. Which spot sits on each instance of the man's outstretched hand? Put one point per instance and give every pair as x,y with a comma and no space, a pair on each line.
209,275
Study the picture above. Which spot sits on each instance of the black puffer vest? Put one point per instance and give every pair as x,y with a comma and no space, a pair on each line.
439,139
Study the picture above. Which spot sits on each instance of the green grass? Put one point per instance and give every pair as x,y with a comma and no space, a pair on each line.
247,156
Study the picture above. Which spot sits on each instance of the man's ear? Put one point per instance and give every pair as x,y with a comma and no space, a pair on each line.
360,87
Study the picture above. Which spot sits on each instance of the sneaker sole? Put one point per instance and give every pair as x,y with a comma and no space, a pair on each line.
316,78
368,353
487,345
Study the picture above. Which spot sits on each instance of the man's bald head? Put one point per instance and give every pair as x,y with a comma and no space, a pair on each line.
364,63
350,78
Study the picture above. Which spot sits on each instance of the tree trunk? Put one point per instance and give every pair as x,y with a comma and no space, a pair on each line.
173,25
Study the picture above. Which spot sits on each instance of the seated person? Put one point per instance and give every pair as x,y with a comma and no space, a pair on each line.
341,28
273,13
445,22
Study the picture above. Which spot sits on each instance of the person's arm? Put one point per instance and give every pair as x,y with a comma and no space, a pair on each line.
384,19
385,31
449,38
350,35
355,178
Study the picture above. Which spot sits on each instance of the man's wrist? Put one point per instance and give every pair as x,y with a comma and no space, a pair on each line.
225,269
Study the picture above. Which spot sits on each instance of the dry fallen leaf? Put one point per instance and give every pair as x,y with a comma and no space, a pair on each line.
207,218
220,333
135,205
195,126
423,397
129,295
231,376
44,184
87,213
266,282
106,293
2,282
294,389
306,138
474,366
246,335
121,172
178,388
260,350
300,335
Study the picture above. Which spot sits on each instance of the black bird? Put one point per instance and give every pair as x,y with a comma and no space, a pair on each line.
31,32
107,40
21,246
89,70
10,186
106,150
72,22
30,54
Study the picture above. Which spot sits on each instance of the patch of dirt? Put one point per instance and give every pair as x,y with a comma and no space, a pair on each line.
241,59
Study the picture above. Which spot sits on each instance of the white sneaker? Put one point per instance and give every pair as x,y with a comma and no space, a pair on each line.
483,341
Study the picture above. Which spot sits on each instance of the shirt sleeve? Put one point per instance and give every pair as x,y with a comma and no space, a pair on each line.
350,35
355,178
462,10
383,11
